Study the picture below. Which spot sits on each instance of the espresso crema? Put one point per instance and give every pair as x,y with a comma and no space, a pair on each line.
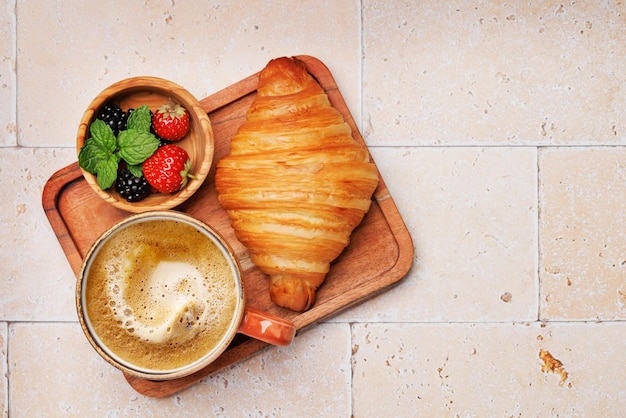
160,294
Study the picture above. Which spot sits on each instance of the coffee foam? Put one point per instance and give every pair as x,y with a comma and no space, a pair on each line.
183,299
170,294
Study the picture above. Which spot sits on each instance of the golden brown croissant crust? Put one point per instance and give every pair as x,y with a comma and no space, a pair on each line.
295,183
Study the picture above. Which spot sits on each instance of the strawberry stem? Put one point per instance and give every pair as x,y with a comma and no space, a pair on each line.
186,175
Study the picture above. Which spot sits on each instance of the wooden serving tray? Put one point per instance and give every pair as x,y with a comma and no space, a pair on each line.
379,255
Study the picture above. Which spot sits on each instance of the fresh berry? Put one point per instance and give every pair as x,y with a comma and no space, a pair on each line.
167,170
171,121
132,188
161,140
113,116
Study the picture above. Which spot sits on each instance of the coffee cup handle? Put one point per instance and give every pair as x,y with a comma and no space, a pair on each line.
266,327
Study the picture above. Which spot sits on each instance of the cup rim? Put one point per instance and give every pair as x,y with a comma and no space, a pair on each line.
126,366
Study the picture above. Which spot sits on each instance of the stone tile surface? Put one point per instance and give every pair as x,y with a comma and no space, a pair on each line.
313,372
84,47
8,86
500,132
468,72
488,369
36,282
583,238
472,216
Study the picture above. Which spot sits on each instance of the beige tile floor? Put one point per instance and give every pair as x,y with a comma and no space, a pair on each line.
500,130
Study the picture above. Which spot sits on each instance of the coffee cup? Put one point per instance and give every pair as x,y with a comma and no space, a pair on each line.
160,296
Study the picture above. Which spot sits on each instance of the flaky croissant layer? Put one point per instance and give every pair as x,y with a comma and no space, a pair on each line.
295,184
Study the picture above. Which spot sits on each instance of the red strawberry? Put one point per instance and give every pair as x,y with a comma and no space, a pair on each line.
167,170
171,121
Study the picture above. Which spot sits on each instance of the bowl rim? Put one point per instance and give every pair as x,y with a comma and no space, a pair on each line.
166,88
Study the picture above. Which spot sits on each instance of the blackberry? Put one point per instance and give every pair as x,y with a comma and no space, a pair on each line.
113,116
131,188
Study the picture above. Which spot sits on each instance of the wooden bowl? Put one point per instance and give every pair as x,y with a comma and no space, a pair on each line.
199,142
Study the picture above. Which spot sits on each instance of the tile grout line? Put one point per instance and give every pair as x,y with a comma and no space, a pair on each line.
539,218
361,119
7,324
7,372
538,233
580,321
15,77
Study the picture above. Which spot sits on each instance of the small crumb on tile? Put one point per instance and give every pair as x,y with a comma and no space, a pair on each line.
552,269
552,365
506,297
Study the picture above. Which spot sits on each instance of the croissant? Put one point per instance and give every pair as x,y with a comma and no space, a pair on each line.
295,184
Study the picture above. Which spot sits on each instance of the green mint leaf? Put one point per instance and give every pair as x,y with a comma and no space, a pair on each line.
140,119
136,146
90,154
107,171
98,147
135,170
103,135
